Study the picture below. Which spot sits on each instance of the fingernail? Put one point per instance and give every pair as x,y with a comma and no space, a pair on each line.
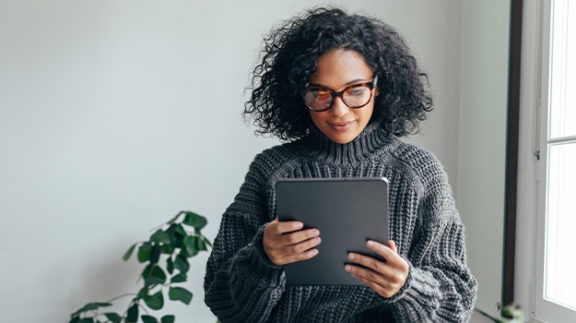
351,256
348,268
370,243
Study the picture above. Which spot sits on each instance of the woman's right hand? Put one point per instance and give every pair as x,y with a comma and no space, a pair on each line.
286,242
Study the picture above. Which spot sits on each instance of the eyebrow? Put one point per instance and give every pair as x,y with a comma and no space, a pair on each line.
353,82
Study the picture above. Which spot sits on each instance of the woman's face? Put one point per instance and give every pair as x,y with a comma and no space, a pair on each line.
338,69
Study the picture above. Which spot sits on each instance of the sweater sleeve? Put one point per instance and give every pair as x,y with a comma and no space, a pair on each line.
241,284
440,286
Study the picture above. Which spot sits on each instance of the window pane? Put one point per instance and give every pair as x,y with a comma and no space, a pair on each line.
563,78
560,282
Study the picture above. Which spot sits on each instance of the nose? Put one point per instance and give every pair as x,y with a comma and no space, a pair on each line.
339,108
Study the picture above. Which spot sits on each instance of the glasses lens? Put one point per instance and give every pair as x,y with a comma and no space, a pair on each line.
317,99
357,96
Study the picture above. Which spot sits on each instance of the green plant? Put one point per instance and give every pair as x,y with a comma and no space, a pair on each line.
511,313
165,255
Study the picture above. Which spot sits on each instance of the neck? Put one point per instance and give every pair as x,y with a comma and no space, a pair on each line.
371,139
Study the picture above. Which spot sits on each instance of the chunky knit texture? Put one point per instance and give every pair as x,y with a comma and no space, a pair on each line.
242,285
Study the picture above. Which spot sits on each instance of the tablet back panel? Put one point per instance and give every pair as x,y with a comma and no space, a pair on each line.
347,211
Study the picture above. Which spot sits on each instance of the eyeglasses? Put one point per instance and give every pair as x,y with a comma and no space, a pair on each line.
355,96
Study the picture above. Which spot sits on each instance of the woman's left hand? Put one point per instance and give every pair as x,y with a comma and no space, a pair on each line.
385,278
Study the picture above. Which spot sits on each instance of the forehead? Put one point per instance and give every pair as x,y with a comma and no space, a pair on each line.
340,67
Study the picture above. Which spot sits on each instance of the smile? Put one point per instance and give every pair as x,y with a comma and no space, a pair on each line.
341,126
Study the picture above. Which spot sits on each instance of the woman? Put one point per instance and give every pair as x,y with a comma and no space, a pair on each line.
341,89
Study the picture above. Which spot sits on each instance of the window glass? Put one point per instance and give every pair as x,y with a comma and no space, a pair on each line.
563,76
561,225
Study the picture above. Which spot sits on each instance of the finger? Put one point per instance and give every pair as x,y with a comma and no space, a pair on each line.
391,256
369,262
366,275
300,257
392,246
281,251
288,226
300,236
278,227
387,273
305,245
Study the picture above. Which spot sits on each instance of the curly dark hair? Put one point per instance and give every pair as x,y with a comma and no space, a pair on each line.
290,55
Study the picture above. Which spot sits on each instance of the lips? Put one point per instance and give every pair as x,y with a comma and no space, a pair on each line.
341,125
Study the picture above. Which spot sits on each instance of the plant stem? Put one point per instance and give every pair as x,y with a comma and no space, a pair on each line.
118,297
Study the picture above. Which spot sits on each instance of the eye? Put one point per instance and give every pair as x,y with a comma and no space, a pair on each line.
320,94
356,91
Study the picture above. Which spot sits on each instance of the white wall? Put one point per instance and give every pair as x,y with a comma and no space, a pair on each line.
114,115
482,146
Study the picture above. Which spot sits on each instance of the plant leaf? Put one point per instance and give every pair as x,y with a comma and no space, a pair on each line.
144,252
160,237
132,315
177,235
180,229
168,319
148,319
195,220
190,246
143,292
155,254
180,294
115,318
90,307
158,275
155,276
170,265
155,301
182,264
171,229
179,278
167,248
206,241
200,244
86,320
129,252
146,273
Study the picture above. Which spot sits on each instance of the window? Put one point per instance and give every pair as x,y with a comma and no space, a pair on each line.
560,268
554,295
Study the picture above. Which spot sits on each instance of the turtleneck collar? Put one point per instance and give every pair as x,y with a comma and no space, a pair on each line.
371,139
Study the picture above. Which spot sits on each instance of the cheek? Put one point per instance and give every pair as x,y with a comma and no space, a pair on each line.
368,112
316,118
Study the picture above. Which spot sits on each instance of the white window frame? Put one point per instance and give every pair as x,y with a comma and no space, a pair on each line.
532,167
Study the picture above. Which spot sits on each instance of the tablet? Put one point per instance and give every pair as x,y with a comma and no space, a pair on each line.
347,211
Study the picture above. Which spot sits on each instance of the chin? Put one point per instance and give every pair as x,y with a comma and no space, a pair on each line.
342,139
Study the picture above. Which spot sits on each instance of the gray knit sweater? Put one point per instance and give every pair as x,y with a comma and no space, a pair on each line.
242,285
